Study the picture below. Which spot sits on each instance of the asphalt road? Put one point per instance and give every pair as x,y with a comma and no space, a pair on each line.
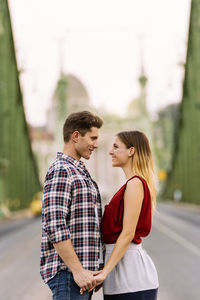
174,245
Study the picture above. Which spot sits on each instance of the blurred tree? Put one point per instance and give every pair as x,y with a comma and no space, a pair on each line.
164,128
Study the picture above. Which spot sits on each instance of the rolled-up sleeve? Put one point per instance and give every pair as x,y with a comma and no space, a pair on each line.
56,205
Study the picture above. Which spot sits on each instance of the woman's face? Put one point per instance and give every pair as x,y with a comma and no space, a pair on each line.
120,154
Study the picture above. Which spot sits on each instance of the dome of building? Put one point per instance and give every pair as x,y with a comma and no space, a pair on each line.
70,95
76,88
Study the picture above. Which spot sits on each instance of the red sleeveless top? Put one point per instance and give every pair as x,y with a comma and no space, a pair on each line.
112,221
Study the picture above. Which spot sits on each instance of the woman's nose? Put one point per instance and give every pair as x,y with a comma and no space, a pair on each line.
111,152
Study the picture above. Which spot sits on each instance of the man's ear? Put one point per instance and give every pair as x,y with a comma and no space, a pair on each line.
75,136
131,151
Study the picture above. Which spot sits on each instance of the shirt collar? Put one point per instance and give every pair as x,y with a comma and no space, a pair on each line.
70,159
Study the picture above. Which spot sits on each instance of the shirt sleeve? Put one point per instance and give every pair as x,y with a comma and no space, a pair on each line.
56,204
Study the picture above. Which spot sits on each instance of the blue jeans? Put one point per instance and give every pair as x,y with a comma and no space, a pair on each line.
64,287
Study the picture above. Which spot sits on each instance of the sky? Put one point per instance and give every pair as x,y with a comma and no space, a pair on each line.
105,44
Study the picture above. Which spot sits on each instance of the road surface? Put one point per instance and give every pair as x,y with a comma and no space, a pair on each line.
174,245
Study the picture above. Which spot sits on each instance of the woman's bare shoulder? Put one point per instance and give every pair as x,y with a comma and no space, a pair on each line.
134,183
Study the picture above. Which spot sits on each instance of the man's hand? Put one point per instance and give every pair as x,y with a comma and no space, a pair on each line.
100,276
85,279
88,282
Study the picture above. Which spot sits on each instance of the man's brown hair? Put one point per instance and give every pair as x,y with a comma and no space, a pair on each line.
82,122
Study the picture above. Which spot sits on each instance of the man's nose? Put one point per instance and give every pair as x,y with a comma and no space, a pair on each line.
95,144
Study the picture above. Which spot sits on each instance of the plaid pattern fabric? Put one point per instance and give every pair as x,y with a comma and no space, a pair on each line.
69,200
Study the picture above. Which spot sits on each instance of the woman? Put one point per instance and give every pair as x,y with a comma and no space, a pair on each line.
129,272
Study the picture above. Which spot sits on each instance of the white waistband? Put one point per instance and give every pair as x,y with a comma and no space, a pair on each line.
131,247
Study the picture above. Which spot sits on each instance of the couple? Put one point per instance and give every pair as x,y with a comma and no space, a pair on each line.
73,261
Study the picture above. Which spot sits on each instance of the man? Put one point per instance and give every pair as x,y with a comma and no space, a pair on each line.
71,252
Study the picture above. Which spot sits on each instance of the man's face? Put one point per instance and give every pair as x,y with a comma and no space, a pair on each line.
87,143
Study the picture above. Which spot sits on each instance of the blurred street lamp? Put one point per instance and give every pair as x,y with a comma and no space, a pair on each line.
162,175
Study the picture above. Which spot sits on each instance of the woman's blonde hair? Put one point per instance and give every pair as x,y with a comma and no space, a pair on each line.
142,162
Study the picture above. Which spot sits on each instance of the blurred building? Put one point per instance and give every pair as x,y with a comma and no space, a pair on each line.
70,96
42,144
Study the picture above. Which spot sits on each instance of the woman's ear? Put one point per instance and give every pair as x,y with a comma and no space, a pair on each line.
131,151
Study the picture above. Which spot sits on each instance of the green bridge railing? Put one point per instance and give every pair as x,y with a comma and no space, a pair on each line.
19,179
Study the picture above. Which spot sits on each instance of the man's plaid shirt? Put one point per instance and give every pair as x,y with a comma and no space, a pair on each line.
69,200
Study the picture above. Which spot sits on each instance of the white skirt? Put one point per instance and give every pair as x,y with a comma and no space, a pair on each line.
134,272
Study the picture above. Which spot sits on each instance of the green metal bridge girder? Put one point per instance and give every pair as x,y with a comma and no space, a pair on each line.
185,172
19,179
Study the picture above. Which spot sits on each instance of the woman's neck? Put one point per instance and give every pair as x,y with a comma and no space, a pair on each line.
128,172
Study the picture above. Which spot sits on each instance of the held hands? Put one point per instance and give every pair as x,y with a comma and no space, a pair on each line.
85,279
99,277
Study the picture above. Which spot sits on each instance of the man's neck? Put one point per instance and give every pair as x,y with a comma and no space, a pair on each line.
68,149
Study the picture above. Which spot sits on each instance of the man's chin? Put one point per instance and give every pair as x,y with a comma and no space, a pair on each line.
87,156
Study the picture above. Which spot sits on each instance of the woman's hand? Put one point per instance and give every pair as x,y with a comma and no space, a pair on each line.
99,280
94,273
